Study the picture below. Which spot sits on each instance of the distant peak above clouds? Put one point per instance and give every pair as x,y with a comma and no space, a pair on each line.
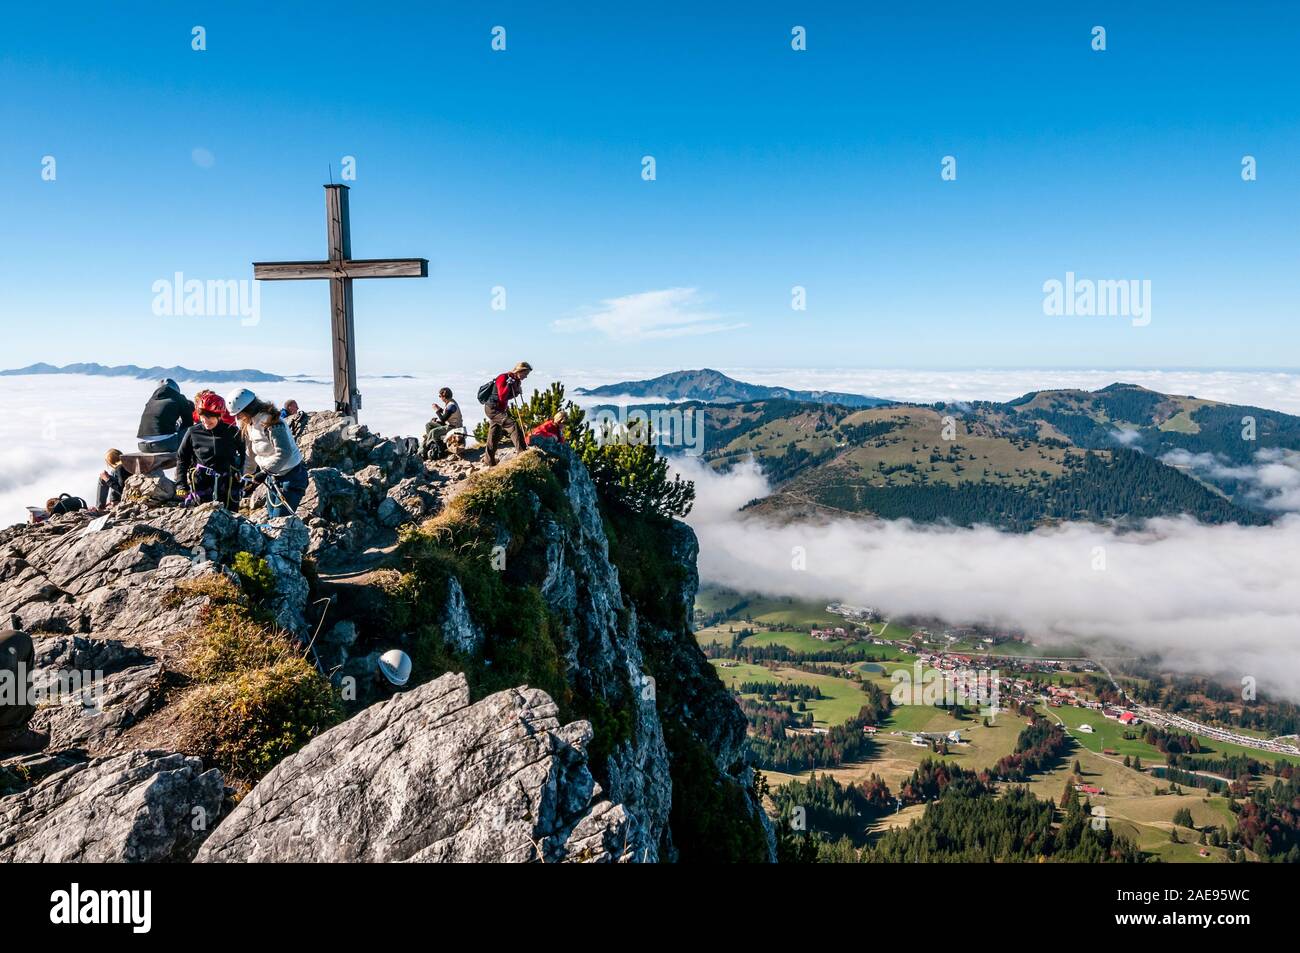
713,386
243,375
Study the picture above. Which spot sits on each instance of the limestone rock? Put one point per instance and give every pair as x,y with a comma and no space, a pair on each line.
151,489
331,495
406,502
91,689
141,806
428,776
107,607
458,628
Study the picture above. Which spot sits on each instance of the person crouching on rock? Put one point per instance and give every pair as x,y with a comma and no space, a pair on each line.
211,456
273,454
548,431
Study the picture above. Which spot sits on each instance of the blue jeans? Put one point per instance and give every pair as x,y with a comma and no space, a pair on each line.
292,487
167,444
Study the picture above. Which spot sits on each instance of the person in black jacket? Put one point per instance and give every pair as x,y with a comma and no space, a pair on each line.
210,459
166,417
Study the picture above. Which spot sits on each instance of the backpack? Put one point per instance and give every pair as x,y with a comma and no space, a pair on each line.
487,391
67,504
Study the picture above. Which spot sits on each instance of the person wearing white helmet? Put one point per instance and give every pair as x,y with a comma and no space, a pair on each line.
272,452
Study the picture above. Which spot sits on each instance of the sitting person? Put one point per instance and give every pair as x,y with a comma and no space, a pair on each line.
290,408
211,456
445,419
165,419
552,429
111,481
273,456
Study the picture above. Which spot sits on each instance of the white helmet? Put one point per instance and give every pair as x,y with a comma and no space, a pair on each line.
238,401
396,666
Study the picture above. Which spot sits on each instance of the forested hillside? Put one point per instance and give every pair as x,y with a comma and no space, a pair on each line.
1046,457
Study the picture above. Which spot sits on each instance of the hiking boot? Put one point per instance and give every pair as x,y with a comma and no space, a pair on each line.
22,740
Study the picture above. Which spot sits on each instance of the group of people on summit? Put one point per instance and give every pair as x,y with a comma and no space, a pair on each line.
225,448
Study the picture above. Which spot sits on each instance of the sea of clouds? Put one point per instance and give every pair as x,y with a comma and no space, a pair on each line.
1224,599
54,429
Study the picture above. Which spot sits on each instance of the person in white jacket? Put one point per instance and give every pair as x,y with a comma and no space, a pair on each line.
271,452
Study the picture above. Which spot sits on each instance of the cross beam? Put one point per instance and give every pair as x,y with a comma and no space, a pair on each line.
340,269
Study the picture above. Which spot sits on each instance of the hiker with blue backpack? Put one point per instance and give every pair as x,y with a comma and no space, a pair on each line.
495,396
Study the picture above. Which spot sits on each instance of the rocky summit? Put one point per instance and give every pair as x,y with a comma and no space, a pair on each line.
207,681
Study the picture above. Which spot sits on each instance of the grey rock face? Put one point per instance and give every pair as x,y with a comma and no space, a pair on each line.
423,776
428,776
407,502
458,629
143,806
151,489
113,581
106,608
604,656
360,486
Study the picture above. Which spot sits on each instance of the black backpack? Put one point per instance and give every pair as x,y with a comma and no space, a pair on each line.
67,504
486,392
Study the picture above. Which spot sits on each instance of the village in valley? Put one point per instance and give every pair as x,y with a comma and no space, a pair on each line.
837,693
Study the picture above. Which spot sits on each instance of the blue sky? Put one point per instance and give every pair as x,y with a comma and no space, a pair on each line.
775,168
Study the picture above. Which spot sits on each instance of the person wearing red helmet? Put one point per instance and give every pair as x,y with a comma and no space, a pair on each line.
205,397
211,455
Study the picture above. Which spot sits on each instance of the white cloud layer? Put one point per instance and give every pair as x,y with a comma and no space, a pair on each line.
670,313
1222,600
1272,480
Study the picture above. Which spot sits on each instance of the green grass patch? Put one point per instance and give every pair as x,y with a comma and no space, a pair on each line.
842,699
1105,733
258,699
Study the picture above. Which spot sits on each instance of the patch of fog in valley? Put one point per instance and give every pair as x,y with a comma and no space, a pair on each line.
1221,600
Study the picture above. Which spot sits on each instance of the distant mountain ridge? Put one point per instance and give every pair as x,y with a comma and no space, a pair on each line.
147,373
714,387
1120,453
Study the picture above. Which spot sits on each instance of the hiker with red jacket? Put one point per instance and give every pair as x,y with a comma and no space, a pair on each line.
496,396
551,429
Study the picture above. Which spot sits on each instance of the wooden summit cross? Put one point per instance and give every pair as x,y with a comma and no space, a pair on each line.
340,269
